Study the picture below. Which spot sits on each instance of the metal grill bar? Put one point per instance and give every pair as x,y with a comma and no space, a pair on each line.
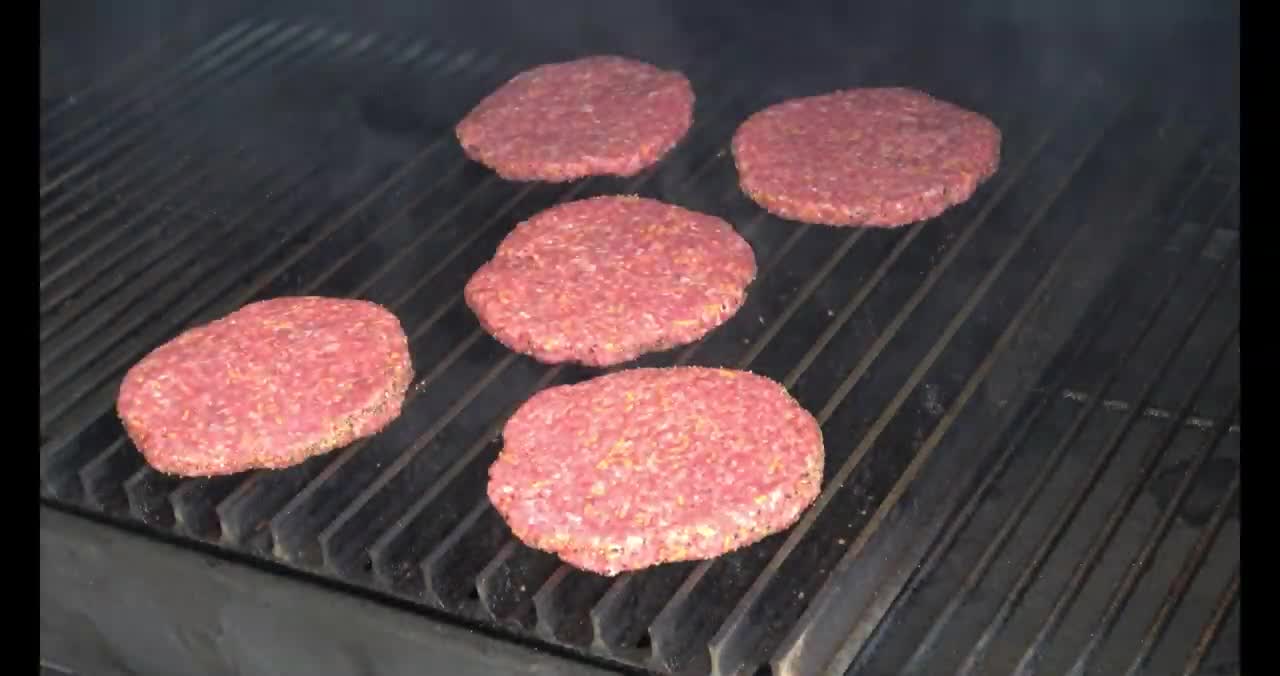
658,632
100,478
291,532
504,583
738,635
193,493
549,589
984,475
159,146
512,551
207,292
978,653
921,292
92,294
815,637
488,183
430,562
102,400
1181,584
944,263
379,549
405,512
801,638
167,292
830,593
157,283
88,240
134,236
547,592
338,552
170,282
283,528
254,489
448,556
79,156
198,487
555,602
48,382
916,663
1029,662
112,110
128,66
146,502
50,227
296,55
81,159
1226,603
196,495
211,291
189,506
856,647
142,277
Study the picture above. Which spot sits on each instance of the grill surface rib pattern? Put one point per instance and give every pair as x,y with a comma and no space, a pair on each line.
1030,404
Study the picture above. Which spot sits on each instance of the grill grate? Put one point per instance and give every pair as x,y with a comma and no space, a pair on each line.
928,656
268,162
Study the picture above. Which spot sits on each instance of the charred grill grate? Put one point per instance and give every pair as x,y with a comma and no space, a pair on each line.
1010,466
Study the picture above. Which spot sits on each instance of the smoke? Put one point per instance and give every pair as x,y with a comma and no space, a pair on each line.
82,41
761,49
789,48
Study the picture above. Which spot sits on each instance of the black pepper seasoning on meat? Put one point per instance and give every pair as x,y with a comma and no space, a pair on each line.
564,121
872,157
648,466
601,281
267,386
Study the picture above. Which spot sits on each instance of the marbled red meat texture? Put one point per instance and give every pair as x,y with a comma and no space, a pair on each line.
267,386
601,281
600,115
647,466
864,157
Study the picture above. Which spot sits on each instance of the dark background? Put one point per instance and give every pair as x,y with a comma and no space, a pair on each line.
799,45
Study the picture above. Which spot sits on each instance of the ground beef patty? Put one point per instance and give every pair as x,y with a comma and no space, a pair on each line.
601,281
564,121
877,157
648,466
267,386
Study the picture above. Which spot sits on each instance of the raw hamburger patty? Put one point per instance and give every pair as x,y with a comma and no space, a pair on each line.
564,121
877,157
601,281
267,386
649,466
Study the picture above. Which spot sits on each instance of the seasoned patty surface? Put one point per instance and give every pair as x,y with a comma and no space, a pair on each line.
870,157
564,121
603,280
647,466
267,386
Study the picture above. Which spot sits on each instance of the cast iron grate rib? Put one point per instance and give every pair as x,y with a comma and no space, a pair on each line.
974,578
175,194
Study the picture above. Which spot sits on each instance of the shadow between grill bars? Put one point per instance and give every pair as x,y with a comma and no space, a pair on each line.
371,527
